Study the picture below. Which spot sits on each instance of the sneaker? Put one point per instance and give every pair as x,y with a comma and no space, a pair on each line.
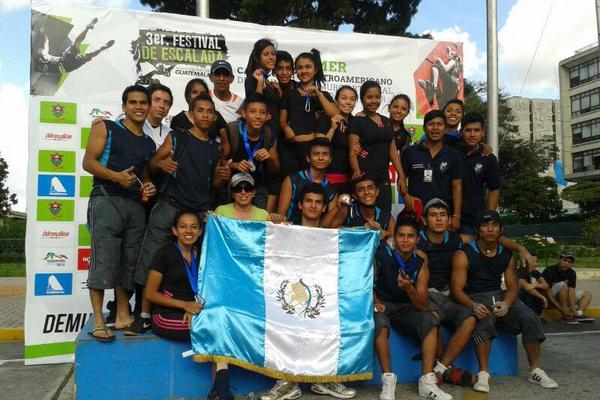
139,327
428,388
388,389
458,376
482,382
585,319
539,377
333,389
283,391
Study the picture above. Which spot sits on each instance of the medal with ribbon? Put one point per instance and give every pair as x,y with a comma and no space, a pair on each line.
250,150
408,270
191,269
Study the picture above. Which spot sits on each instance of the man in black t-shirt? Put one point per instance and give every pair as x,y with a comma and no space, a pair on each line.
434,169
479,173
532,285
562,293
477,271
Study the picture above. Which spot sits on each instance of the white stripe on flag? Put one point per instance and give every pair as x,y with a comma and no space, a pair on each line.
308,259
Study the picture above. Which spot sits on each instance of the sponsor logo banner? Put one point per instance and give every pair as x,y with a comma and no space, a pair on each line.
58,284
85,185
55,112
54,259
84,238
56,185
56,161
55,210
54,235
83,259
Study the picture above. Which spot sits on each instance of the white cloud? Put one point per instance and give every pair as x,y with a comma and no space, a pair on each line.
13,103
571,25
474,61
11,5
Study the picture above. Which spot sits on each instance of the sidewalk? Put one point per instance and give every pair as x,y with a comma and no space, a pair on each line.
12,304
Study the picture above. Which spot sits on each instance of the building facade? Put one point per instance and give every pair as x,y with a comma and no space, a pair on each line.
579,78
536,119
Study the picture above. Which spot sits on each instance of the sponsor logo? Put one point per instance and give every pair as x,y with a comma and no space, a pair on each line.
57,137
56,161
55,260
84,238
65,323
56,185
298,298
83,259
97,113
53,284
55,235
55,210
58,112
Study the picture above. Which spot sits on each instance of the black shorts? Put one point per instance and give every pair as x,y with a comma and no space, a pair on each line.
404,317
450,313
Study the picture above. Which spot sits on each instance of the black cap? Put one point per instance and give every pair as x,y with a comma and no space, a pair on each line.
221,64
567,254
486,216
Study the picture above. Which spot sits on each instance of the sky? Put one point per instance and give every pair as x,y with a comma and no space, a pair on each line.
556,27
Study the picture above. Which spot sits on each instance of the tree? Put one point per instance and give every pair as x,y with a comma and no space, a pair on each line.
522,161
586,195
386,17
6,198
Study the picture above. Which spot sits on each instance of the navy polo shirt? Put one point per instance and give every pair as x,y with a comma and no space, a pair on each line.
446,166
479,173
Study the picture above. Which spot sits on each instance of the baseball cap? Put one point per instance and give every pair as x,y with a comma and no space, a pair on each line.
241,177
567,254
435,202
221,64
486,216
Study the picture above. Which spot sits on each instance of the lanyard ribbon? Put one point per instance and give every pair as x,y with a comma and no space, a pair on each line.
407,269
249,150
191,269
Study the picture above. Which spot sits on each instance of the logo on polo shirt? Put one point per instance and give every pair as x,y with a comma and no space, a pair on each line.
443,166
478,167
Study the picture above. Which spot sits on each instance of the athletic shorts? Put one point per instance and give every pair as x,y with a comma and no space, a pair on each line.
168,327
558,285
450,312
157,235
520,319
405,318
116,225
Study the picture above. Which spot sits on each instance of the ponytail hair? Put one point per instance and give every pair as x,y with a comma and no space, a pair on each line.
315,56
254,59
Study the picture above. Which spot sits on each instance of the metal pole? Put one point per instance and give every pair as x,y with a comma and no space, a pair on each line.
492,74
598,19
202,8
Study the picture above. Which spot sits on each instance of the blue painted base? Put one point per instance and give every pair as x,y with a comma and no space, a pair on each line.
149,367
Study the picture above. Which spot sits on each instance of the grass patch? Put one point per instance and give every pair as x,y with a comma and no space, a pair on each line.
580,262
12,270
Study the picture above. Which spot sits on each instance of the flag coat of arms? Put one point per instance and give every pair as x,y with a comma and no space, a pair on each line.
289,302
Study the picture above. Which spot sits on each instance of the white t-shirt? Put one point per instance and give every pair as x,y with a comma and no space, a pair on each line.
157,134
228,109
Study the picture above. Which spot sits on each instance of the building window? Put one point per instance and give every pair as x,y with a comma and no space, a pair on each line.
585,102
586,131
585,72
586,161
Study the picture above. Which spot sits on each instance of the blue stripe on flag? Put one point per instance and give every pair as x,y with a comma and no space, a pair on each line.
237,287
356,251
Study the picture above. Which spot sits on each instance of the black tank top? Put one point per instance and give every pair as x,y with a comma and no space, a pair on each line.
440,258
388,268
484,274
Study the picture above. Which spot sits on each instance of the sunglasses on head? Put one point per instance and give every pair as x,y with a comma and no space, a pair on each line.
245,187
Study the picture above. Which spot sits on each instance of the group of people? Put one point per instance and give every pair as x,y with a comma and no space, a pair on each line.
290,152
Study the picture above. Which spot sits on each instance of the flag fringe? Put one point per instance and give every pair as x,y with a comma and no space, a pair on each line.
283,375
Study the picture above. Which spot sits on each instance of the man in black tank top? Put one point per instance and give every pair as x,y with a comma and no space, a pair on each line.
116,155
401,300
192,160
477,271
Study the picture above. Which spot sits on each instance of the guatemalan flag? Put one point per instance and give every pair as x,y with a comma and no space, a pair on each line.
289,302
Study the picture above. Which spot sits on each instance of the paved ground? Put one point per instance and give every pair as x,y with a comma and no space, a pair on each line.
569,356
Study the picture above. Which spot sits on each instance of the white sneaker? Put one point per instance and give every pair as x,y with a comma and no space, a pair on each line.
333,389
539,377
388,389
283,391
482,382
428,388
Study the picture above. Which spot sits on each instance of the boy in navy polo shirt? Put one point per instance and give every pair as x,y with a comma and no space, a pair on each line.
454,111
434,169
477,271
480,172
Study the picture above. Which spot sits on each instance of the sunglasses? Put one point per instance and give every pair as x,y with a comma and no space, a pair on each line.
245,188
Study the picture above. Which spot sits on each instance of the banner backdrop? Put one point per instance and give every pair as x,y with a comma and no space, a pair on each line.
81,60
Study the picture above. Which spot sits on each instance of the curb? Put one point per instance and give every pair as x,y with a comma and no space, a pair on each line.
12,334
552,314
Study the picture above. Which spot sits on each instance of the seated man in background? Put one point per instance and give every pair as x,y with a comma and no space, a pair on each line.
562,293
532,287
